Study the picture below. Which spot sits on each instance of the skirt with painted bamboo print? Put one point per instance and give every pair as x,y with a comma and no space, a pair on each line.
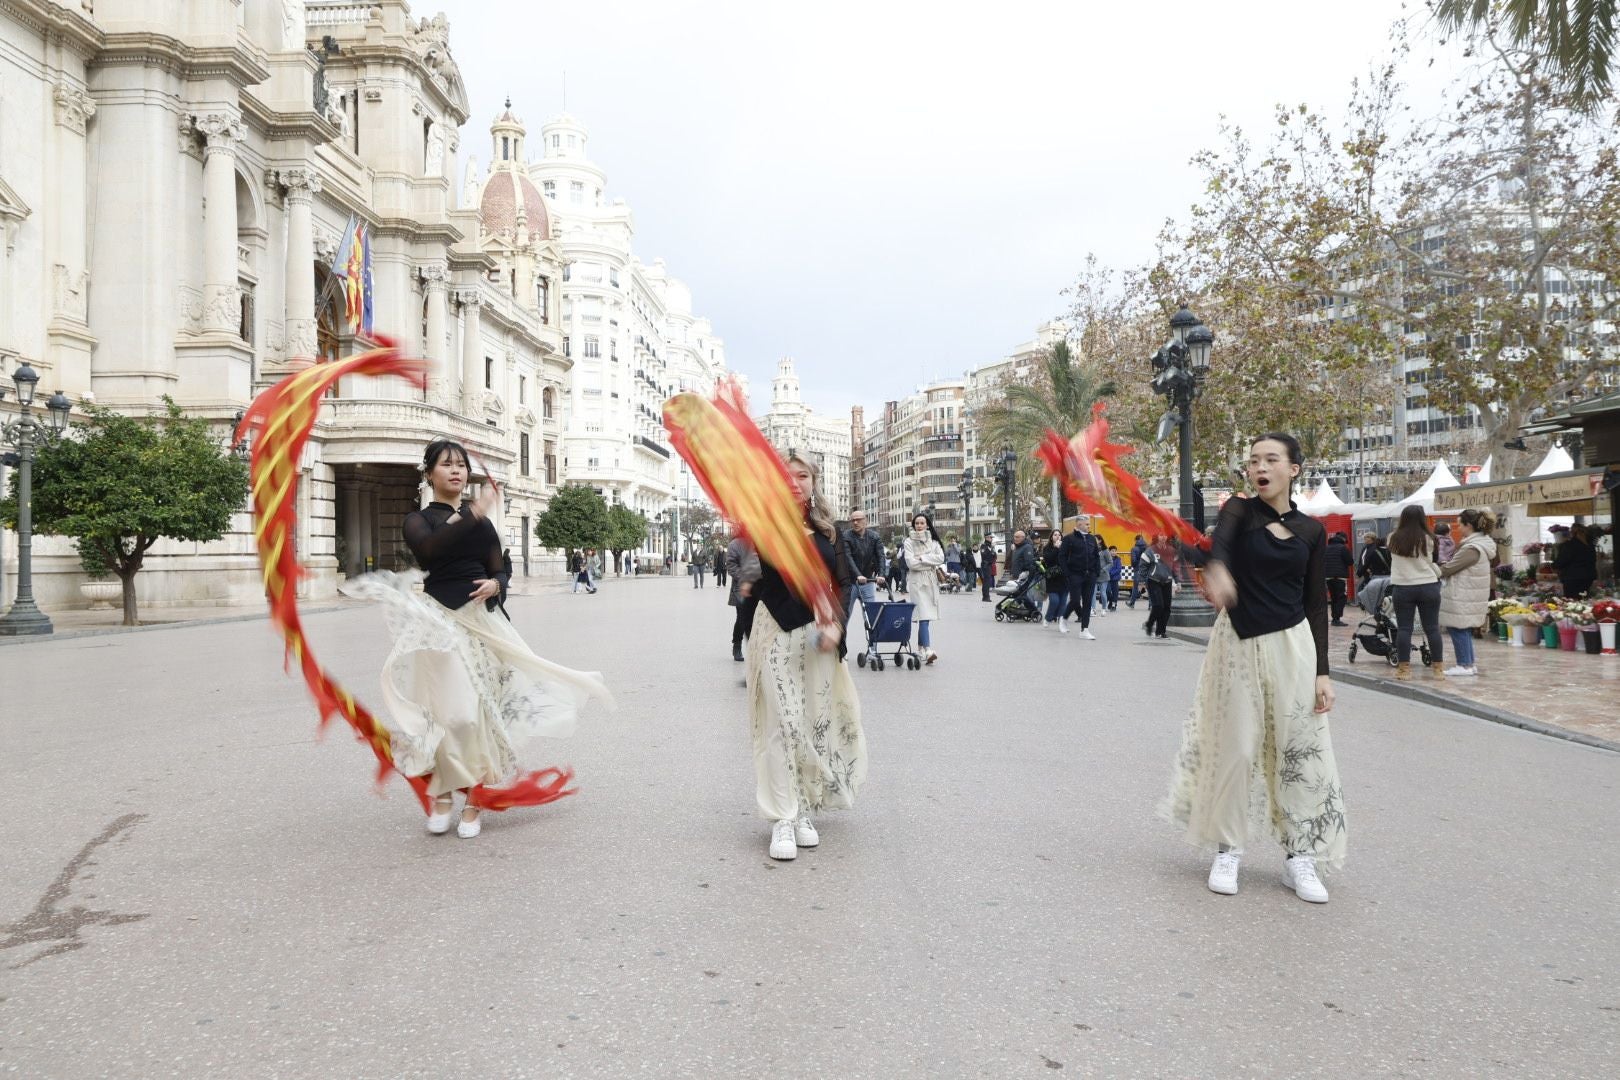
809,748
463,688
1255,755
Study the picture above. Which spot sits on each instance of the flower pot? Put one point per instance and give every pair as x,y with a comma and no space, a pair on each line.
1503,631
1606,632
1567,636
101,594
1592,639
1549,636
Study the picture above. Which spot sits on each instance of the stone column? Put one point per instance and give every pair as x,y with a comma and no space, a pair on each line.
472,352
300,186
436,284
222,300
69,343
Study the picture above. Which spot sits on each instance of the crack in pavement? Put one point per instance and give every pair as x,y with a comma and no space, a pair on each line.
46,924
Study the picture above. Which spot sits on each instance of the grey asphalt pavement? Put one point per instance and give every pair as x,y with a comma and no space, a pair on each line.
195,885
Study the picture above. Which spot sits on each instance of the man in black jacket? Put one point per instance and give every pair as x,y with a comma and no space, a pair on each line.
865,555
1336,568
1022,558
1078,554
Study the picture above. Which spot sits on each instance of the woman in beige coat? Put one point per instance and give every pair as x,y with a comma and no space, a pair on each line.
925,556
1465,589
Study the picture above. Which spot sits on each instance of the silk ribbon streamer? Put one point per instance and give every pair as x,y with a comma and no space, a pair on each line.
281,419
1089,469
744,476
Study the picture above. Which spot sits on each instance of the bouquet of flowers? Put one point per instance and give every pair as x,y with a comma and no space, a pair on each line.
1535,548
1543,614
1514,612
1606,611
1575,613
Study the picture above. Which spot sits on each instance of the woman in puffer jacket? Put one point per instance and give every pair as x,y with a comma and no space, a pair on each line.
1465,587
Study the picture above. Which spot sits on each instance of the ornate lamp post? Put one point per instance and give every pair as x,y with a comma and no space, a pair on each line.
24,433
966,491
1007,473
1179,371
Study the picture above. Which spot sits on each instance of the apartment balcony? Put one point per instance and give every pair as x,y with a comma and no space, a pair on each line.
363,430
652,446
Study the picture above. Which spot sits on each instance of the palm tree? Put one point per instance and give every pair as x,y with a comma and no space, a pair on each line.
1059,398
1576,36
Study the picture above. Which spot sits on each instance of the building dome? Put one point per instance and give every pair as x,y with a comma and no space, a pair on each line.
504,192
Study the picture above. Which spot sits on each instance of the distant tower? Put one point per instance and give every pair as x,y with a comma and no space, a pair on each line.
785,387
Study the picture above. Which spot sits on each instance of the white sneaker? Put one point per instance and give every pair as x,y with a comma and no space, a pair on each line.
804,833
438,824
1223,873
1299,873
782,844
1459,670
1062,627
1088,635
469,829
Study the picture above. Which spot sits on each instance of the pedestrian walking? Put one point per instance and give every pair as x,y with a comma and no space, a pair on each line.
1099,591
1137,583
925,557
580,567
1158,579
1465,587
720,567
987,568
1414,581
953,557
463,690
898,570
1336,565
740,561
1057,583
970,566
809,749
1080,555
699,562
865,555
1255,749
1116,570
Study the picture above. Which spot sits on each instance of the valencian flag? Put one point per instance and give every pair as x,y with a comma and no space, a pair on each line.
353,265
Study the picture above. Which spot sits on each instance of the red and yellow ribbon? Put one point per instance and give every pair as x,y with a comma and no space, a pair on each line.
1089,469
745,478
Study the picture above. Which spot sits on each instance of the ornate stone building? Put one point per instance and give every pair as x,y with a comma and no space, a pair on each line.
175,181
791,425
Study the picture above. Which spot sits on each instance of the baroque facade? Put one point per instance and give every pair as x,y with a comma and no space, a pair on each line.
630,333
176,177
791,425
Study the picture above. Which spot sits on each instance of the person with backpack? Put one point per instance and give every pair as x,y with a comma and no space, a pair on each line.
1374,561
1153,570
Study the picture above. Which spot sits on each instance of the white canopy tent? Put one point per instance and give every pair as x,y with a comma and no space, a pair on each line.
1440,477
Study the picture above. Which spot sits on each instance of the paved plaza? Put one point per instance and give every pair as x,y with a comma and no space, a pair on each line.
196,885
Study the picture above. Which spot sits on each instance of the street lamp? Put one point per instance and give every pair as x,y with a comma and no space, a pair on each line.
1179,371
966,491
1007,473
24,433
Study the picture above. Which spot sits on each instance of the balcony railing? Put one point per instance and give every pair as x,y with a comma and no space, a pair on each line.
408,421
648,444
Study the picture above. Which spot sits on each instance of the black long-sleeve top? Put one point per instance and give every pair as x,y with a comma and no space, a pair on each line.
455,555
1079,555
787,609
865,553
1279,582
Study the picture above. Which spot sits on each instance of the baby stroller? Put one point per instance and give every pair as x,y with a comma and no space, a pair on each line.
888,623
1376,633
1016,605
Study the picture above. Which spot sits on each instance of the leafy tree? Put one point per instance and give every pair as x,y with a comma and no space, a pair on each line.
697,526
120,483
576,518
627,530
1574,39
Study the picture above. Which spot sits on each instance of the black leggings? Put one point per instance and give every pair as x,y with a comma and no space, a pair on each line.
1158,607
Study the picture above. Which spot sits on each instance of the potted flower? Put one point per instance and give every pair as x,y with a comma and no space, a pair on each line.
1607,614
102,588
1532,551
1520,618
1571,614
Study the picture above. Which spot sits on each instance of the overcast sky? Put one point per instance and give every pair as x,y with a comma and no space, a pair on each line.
892,192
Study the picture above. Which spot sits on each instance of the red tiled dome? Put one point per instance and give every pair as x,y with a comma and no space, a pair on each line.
497,207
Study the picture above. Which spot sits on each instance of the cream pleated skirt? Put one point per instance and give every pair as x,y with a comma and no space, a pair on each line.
809,749
463,689
1255,756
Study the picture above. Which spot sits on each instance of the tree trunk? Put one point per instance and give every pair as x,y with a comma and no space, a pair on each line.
128,579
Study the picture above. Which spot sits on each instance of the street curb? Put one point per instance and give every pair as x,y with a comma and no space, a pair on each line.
104,631
1425,696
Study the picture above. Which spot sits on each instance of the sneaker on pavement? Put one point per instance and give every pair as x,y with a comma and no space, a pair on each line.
782,844
1223,873
1063,627
804,833
1088,635
1299,872
1459,670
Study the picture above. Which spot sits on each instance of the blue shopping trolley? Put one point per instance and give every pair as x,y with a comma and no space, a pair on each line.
888,623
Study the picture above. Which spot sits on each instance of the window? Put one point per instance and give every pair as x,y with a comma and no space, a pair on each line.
613,348
551,463
542,299
593,463
548,399
593,348
523,391
550,189
571,142
568,271
556,140
568,346
613,276
506,148
489,373
576,192
523,453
